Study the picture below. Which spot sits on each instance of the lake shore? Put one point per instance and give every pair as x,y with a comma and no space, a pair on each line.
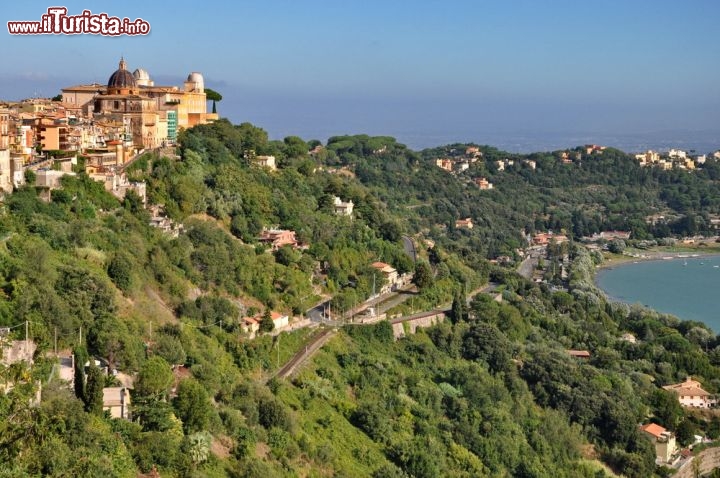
656,254
682,286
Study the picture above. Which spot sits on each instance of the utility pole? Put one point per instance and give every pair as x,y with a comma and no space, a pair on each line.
27,323
55,342
278,354
80,337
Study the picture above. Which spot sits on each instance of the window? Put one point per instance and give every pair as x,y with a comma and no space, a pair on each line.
116,105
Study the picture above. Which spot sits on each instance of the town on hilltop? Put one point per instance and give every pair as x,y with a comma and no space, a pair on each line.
105,125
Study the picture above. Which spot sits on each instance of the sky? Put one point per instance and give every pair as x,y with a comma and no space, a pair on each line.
518,74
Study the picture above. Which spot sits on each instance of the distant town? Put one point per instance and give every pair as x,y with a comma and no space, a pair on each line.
96,128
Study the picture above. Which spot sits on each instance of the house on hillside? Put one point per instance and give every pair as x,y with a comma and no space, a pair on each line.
343,208
279,320
266,162
444,164
691,394
483,183
544,238
18,351
663,441
389,273
116,400
250,325
278,238
464,223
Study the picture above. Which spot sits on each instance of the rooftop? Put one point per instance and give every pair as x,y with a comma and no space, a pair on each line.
654,429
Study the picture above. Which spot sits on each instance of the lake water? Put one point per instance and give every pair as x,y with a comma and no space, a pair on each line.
690,292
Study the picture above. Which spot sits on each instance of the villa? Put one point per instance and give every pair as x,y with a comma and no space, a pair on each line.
691,394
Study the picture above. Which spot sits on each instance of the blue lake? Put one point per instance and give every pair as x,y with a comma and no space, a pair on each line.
688,288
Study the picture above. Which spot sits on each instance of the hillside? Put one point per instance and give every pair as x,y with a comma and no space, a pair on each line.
491,391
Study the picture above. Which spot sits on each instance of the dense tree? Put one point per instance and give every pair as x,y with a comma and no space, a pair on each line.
266,322
154,378
192,406
170,348
120,270
423,276
93,397
485,342
458,310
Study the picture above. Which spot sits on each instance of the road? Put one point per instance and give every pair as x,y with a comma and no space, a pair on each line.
528,265
409,246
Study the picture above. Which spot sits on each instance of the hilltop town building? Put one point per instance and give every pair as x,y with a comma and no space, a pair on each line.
147,115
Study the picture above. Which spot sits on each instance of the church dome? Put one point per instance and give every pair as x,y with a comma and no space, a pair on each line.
122,78
142,77
195,77
195,82
141,74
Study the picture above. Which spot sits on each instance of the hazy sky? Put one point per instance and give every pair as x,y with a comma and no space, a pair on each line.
425,71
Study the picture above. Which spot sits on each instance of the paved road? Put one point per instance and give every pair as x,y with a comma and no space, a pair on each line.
528,265
409,246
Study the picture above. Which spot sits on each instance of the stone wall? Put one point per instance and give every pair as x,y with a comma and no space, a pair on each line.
409,325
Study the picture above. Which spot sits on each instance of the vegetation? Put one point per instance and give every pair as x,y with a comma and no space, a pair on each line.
490,392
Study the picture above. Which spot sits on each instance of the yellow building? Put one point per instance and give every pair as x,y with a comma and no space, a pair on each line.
151,115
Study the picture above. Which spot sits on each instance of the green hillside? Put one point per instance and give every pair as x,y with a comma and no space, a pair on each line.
491,391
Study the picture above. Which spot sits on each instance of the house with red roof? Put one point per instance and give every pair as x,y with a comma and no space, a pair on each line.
251,325
278,238
584,354
662,439
691,394
464,223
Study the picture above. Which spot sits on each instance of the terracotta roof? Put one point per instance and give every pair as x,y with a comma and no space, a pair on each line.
689,387
579,353
690,391
654,429
380,265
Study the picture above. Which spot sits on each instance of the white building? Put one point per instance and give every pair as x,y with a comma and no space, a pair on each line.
677,153
116,400
343,208
266,162
691,394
